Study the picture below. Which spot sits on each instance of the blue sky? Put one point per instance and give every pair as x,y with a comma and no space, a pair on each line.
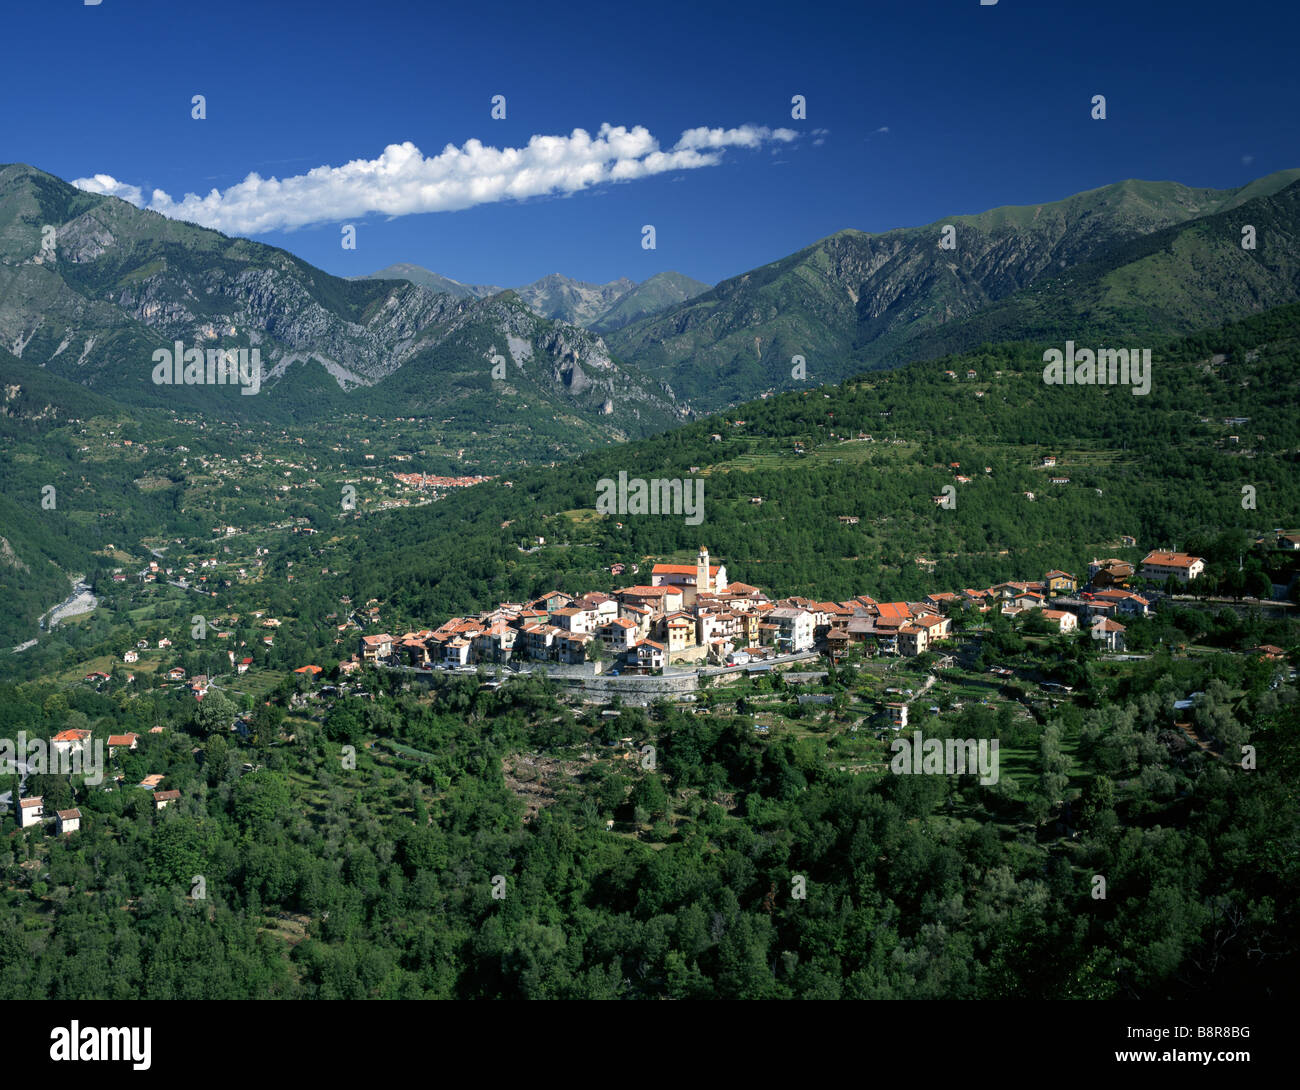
915,110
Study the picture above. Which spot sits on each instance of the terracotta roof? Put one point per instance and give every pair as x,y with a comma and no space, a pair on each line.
77,735
895,611
1170,560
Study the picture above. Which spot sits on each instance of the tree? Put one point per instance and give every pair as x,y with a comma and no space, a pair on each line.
649,795
260,799
214,713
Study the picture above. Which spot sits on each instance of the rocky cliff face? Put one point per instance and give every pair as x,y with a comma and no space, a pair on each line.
855,300
573,301
120,283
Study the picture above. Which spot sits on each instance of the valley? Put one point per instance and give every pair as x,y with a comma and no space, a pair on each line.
388,657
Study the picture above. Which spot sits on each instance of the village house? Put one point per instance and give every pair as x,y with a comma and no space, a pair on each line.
619,635
575,620
1161,565
550,602
1064,620
650,655
1124,601
29,812
538,640
571,647
603,607
1109,633
121,741
1109,573
375,649
496,643
1060,582
795,628
677,632
69,741
913,639
161,799
67,821
455,651
936,627
944,600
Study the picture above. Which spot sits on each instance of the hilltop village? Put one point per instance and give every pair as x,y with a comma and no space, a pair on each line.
693,615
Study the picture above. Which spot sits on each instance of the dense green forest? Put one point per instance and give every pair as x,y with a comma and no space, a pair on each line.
319,880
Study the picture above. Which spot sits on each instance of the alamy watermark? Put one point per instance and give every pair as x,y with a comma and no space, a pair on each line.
1107,367
655,497
83,757
180,366
945,756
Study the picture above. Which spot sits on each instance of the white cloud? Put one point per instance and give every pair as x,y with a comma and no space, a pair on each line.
403,181
109,186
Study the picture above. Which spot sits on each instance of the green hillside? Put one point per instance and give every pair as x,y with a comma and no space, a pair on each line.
855,300
1161,468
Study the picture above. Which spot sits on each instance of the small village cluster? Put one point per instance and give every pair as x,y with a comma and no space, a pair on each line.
68,745
692,615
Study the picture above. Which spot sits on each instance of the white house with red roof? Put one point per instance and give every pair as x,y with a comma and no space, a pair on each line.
1161,565
376,648
1064,620
1109,633
68,740
650,655
29,811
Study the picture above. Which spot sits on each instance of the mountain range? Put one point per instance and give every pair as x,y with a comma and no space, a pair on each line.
602,307
1133,258
91,287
